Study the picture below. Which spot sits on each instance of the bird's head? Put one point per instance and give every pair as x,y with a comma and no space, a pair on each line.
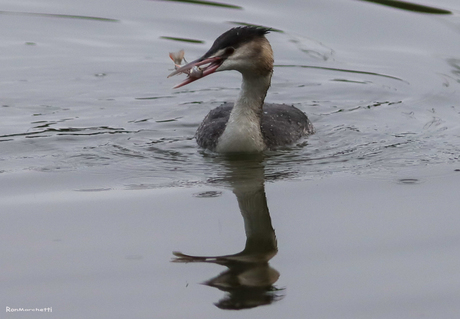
244,49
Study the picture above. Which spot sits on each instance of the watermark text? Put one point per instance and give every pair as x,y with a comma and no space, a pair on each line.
10,309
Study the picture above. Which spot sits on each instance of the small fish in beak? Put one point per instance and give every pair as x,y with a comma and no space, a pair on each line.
177,58
193,69
195,72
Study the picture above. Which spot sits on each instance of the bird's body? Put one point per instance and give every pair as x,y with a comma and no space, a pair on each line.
279,126
248,125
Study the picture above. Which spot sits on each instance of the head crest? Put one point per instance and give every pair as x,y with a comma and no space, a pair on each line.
236,37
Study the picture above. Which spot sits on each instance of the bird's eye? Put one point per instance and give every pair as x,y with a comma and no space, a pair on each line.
229,51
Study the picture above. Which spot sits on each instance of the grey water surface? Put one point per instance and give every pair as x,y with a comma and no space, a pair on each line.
101,179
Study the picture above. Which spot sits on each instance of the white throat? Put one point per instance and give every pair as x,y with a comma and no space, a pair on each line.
242,133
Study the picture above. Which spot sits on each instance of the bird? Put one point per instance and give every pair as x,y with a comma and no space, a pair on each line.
249,125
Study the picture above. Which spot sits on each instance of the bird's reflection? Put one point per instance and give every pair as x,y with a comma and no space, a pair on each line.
249,278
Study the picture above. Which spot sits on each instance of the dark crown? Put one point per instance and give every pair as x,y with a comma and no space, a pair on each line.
236,37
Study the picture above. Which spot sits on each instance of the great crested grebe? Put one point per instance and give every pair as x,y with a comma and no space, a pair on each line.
248,125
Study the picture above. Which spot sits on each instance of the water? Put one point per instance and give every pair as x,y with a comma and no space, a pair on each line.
101,179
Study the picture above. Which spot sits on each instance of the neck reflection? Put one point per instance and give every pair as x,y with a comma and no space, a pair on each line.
249,279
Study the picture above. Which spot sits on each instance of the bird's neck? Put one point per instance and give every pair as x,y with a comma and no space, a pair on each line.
243,133
252,94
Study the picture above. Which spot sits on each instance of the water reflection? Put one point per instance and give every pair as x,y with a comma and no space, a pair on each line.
249,279
182,39
342,70
54,15
409,6
209,3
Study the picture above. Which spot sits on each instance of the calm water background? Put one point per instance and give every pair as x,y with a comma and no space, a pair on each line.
101,179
